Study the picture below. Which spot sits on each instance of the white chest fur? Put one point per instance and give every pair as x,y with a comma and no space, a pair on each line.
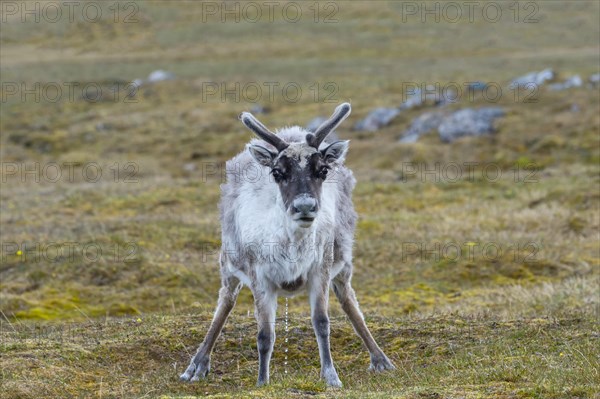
283,251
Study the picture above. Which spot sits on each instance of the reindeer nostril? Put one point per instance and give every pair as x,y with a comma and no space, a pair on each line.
304,205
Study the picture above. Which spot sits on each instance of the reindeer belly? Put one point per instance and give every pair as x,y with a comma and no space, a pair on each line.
293,285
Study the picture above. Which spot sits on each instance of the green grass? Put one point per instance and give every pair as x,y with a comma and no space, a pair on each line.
457,322
436,356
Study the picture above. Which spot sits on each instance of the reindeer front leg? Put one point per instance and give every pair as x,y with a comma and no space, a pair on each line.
265,302
319,302
200,363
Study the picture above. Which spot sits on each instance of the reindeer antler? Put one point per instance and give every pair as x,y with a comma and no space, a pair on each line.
341,112
261,131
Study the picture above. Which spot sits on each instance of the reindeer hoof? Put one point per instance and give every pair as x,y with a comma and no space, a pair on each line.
195,372
331,378
261,383
335,384
381,363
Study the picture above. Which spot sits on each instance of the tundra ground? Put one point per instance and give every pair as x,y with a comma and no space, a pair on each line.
483,285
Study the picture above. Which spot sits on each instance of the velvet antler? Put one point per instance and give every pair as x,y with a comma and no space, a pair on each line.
341,112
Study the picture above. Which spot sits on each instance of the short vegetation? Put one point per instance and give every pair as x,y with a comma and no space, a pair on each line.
483,285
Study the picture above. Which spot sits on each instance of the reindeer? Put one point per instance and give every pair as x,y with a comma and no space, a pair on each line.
299,197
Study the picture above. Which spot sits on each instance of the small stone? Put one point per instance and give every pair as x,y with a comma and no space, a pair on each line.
422,124
189,167
535,78
469,122
102,126
413,99
259,109
411,138
160,75
377,119
573,81
477,86
430,96
446,97
137,83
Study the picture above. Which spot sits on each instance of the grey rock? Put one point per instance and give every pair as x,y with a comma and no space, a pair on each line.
573,81
446,97
430,97
477,86
490,112
422,124
156,76
413,100
469,122
102,126
536,78
412,138
134,87
259,109
595,79
466,122
189,167
137,83
377,119
159,75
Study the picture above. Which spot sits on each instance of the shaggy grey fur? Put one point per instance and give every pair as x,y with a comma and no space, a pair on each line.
280,246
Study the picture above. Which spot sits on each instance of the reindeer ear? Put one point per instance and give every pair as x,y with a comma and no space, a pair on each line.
335,152
262,155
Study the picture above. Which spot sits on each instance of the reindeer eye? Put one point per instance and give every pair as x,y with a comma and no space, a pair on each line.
277,175
323,172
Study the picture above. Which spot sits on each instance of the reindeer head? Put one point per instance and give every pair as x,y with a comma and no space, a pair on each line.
300,168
